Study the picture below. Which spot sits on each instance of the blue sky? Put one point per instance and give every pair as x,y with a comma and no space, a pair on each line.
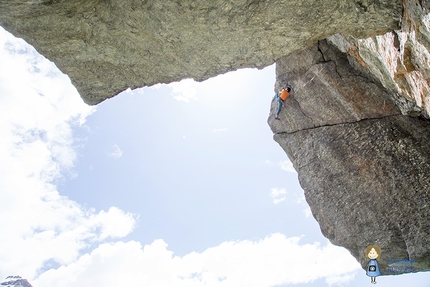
172,185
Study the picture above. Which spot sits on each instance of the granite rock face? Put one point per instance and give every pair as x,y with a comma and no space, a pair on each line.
107,46
356,126
363,162
327,90
399,60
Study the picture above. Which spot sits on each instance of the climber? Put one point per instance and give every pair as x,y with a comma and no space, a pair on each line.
280,98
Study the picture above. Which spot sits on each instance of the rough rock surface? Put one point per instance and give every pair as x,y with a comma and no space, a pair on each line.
107,46
327,91
362,160
364,166
400,60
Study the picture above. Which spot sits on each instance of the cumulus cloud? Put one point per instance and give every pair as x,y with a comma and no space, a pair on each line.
278,195
38,109
116,153
273,261
287,166
185,90
300,199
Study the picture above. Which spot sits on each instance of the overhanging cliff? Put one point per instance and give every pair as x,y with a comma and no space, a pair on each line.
363,165
107,46
355,126
356,130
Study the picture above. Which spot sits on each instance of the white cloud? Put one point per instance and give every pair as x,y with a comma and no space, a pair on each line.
340,279
278,200
114,223
38,108
156,86
185,90
272,261
278,195
277,192
300,199
307,211
287,166
116,153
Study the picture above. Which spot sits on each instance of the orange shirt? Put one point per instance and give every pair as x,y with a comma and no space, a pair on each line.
284,95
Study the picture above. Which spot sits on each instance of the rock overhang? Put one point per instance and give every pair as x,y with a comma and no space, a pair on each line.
356,129
106,47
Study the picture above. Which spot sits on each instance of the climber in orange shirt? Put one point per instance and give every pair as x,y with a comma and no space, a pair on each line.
280,98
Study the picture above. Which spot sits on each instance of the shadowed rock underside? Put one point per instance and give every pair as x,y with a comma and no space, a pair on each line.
107,46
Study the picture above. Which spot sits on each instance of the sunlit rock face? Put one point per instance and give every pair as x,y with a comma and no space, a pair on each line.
356,129
108,46
399,60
